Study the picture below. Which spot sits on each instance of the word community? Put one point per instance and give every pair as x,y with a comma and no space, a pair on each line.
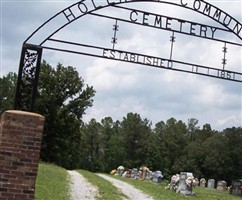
86,6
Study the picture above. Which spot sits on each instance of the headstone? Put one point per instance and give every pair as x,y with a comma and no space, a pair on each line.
211,183
134,173
128,175
203,182
144,172
148,175
237,187
156,177
182,181
185,184
222,185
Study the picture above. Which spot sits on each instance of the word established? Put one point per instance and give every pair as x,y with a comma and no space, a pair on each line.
136,58
168,64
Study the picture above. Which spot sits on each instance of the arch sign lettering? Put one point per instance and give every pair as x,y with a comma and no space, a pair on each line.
177,31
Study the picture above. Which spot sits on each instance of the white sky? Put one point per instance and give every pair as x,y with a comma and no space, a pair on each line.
155,94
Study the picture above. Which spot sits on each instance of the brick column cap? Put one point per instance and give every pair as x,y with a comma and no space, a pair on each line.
19,112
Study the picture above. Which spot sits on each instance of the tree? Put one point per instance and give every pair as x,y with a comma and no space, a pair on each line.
136,133
105,136
233,136
192,127
110,140
217,161
7,91
159,140
62,98
194,157
116,152
175,142
91,145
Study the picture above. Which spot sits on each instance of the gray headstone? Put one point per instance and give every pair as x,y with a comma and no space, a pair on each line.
237,187
211,183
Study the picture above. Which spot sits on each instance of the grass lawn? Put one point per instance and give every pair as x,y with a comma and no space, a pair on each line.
159,193
52,183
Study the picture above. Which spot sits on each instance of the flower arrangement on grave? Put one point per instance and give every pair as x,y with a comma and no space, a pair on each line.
189,181
203,181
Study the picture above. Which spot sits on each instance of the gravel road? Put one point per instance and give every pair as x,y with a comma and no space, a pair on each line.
131,192
80,188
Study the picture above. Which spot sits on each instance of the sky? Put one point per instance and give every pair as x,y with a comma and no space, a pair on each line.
155,94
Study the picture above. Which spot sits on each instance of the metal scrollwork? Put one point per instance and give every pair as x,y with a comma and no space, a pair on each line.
29,64
28,77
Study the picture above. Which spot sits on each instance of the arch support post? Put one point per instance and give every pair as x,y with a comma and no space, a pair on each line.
28,75
20,145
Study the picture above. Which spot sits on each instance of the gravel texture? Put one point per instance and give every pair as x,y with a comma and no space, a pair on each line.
130,191
80,188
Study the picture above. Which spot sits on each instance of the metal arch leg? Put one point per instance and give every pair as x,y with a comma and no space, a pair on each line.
28,76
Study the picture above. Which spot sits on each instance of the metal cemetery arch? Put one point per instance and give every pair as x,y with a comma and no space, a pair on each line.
31,51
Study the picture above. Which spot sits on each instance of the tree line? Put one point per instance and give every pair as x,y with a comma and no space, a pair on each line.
171,147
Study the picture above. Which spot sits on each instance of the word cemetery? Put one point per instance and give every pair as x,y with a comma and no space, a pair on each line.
220,29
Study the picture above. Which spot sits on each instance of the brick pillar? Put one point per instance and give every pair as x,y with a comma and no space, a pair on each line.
20,144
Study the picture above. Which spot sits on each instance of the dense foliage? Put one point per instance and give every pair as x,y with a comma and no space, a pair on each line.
172,146
62,99
7,91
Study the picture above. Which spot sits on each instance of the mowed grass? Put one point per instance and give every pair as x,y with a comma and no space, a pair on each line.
212,194
159,192
106,190
52,183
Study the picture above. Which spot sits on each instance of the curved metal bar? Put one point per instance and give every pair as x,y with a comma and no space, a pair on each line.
46,22
31,54
217,14
194,68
